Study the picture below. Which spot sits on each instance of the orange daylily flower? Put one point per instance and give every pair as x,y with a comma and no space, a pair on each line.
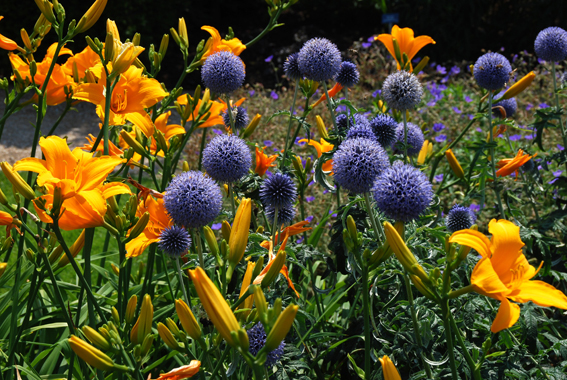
159,221
294,229
182,372
508,166
84,61
504,274
389,369
5,219
6,43
321,148
263,161
113,150
215,44
132,94
80,176
58,81
332,92
406,41
272,256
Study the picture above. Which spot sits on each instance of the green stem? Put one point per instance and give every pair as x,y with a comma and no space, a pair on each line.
449,336
203,142
197,239
67,108
275,227
167,277
271,25
563,131
378,230
492,158
404,117
108,97
460,292
89,237
329,105
466,354
221,361
313,281
289,124
181,283
231,196
366,316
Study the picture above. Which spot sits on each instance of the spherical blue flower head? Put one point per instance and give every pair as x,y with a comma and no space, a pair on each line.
510,106
291,67
384,128
348,74
528,166
278,191
319,59
551,44
402,192
285,214
239,116
192,199
402,91
362,131
223,72
227,158
344,122
492,71
460,218
415,138
357,163
174,240
257,338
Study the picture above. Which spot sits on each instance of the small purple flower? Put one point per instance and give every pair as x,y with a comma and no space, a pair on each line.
543,105
431,103
299,241
371,39
478,130
457,110
468,99
274,95
366,45
376,93
556,174
515,137
474,208
471,116
454,70
438,178
529,106
540,61
309,199
309,218
560,147
217,131
216,226
297,139
311,183
441,138
268,143
325,191
252,92
269,59
438,127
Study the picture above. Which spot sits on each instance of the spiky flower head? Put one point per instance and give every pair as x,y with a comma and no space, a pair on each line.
319,59
460,218
192,199
223,72
348,74
415,138
402,192
291,67
510,106
384,128
402,91
239,116
357,163
285,214
174,240
227,158
361,130
278,191
492,71
551,44
344,121
257,338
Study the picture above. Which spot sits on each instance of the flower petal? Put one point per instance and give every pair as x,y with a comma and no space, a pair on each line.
418,44
114,188
506,245
142,121
31,164
58,157
98,169
508,314
137,246
485,280
473,239
540,293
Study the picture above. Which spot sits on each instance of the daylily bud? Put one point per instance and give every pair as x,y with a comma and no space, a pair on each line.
131,309
115,315
30,255
239,235
167,337
92,44
424,61
423,152
133,143
96,339
143,325
94,356
6,245
275,311
109,47
136,39
297,164
160,140
251,126
172,326
26,39
275,268
398,54
519,86
20,185
260,230
184,37
163,45
321,128
115,269
281,328
225,230
261,305
185,167
351,226
187,320
258,267
348,241
243,340
3,199
125,58
211,240
403,253
197,95
3,267
74,249
224,249
91,16
454,164
47,9
147,344
175,36
247,304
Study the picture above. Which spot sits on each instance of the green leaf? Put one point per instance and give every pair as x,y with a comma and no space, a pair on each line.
359,371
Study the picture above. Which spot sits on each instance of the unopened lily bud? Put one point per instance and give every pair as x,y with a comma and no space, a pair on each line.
260,230
175,36
185,167
133,143
172,326
26,39
211,240
247,304
131,309
348,240
275,311
3,199
160,139
225,230
281,328
421,287
297,164
143,325
30,255
424,61
351,226
275,268
239,235
423,152
402,252
109,47
115,315
7,244
261,305
251,126
167,337
184,37
258,267
94,356
147,344
47,9
243,340
454,164
321,128
136,39
187,320
74,250
519,86
115,269
91,16
95,338
19,184
92,44
224,249
3,267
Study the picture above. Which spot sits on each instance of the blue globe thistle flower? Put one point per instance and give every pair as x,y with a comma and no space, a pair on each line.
174,240
528,166
344,121
551,44
348,74
278,191
223,72
361,130
460,218
415,138
227,158
492,71
402,192
510,106
257,337
285,214
384,128
319,59
239,116
357,163
291,67
402,91
192,199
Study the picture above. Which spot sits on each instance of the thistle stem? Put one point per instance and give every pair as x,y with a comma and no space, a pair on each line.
492,158
231,196
329,105
378,230
197,237
405,136
289,124
181,283
275,226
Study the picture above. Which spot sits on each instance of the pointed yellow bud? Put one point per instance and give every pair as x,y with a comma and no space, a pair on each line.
403,253
91,16
281,328
20,185
275,268
454,164
115,315
261,305
167,337
140,226
321,128
124,58
239,233
519,86
423,289
183,32
131,309
215,305
252,126
187,320
211,240
389,369
143,325
94,356
96,339
74,249
423,152
133,143
185,167
3,267
225,230
247,304
26,39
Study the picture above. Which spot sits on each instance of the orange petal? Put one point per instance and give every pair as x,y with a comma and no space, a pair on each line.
137,246
58,157
508,314
506,245
473,239
418,44
540,293
142,121
485,280
114,188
